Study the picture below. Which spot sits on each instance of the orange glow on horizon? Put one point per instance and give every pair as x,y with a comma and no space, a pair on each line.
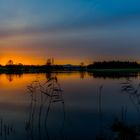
19,59
22,52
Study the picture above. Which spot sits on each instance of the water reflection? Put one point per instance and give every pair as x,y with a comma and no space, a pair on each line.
81,75
114,75
10,77
36,107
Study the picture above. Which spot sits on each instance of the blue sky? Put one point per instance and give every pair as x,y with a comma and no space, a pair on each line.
72,30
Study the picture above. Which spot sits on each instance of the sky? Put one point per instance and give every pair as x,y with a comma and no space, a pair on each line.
70,31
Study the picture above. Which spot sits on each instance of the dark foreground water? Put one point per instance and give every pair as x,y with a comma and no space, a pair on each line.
66,105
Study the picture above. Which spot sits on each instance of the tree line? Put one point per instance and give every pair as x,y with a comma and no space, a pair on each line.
113,65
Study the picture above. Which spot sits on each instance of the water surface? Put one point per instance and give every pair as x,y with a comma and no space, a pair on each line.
84,106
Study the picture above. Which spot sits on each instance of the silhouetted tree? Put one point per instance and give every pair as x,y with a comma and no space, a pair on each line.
10,62
113,65
82,64
49,62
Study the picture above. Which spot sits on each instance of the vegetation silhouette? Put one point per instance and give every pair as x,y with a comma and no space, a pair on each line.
132,132
101,135
43,96
6,130
113,65
134,93
119,128
10,67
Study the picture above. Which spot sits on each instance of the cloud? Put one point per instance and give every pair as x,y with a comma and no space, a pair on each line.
78,29
46,17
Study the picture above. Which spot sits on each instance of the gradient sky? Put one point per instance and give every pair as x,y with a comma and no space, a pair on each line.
70,31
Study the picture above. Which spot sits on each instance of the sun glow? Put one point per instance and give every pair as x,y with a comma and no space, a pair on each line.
34,60
26,60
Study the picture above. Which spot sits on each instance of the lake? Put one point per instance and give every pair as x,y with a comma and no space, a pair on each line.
70,105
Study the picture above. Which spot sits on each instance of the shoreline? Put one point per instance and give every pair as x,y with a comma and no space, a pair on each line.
38,70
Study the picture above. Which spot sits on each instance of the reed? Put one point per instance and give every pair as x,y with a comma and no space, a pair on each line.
43,96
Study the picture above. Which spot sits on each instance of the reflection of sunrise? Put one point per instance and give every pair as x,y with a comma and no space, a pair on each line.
13,82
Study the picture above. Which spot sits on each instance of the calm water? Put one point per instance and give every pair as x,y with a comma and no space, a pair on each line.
87,107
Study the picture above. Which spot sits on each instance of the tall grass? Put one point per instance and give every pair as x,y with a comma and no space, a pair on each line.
43,96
